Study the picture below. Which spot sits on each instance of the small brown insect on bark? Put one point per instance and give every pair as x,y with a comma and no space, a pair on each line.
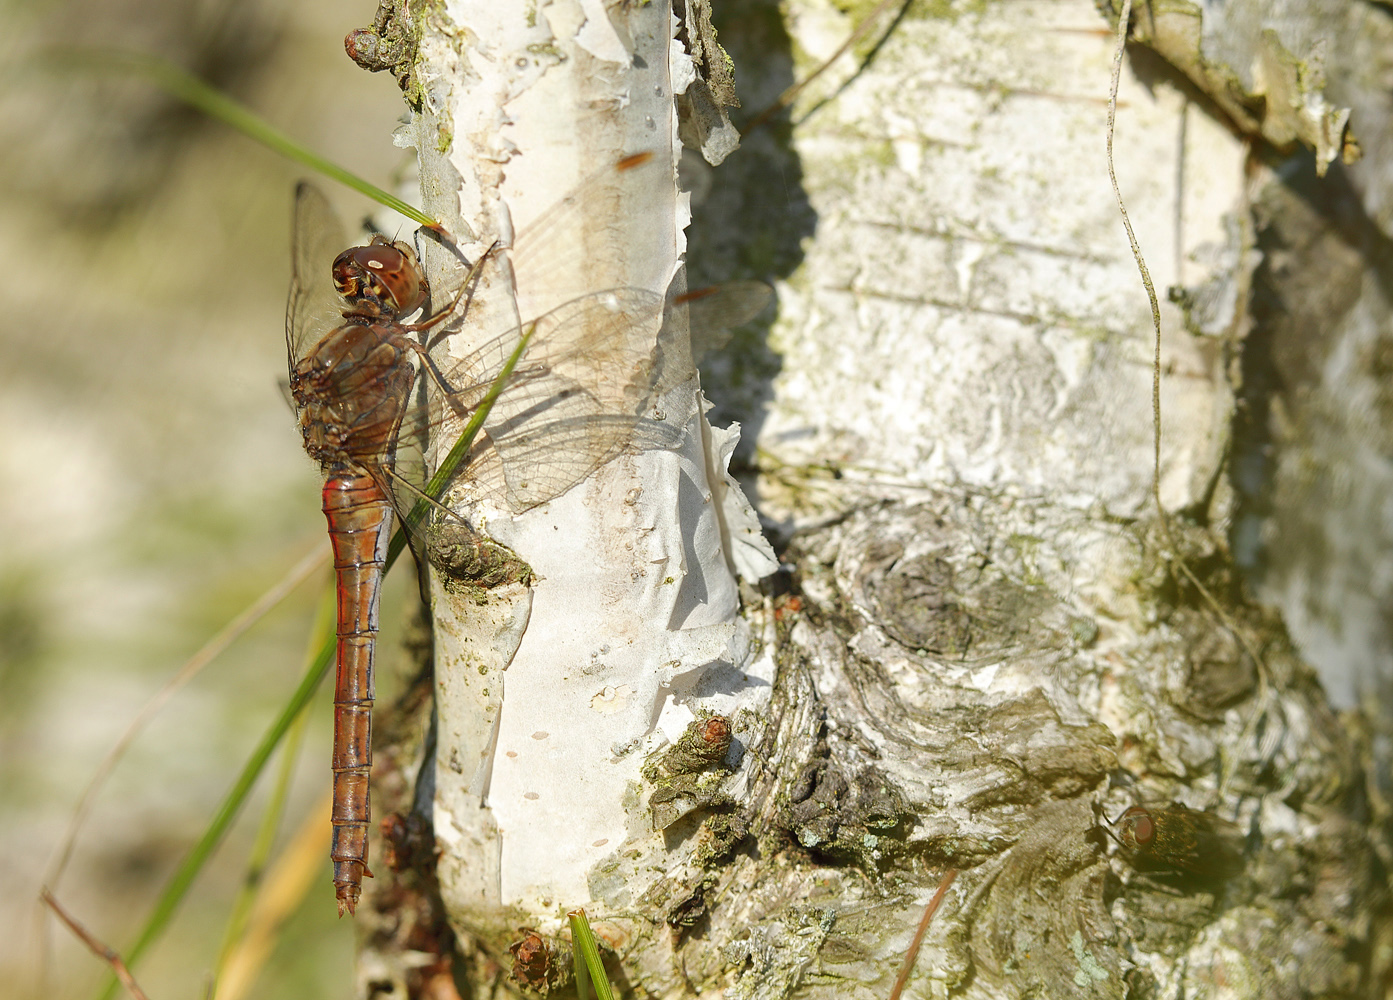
1179,839
407,842
537,965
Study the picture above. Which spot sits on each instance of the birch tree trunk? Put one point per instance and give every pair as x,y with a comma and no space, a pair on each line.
982,645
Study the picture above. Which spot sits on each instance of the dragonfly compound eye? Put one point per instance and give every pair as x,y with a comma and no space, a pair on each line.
382,273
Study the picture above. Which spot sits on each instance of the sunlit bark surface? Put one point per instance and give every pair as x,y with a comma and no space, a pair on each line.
983,645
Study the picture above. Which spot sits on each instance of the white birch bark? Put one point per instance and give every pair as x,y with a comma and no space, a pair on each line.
994,643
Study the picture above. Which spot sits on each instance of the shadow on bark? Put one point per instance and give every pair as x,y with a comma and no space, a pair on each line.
1312,434
750,215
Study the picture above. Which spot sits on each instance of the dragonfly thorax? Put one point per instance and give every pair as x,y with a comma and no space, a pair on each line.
351,391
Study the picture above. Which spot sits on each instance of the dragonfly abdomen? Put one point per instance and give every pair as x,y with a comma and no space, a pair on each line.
360,528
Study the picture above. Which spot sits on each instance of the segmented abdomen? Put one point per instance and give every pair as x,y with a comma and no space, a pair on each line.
360,527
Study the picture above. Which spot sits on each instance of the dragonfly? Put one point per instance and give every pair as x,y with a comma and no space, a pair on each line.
543,405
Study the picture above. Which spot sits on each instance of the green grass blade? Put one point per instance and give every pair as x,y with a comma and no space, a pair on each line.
322,631
261,847
179,885
582,981
212,102
587,955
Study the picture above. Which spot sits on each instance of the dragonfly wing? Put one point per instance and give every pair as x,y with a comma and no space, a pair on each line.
714,312
547,459
571,404
315,306
584,241
699,322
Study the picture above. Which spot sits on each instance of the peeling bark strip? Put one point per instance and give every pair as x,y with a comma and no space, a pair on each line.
1247,69
982,653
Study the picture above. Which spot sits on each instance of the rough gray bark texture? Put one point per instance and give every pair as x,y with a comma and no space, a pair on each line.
988,645
983,672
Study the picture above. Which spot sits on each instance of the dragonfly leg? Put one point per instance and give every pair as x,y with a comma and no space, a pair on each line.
466,285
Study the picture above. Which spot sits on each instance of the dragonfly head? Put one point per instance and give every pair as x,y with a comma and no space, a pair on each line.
382,279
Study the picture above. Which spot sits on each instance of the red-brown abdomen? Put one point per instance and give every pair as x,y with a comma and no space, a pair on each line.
360,527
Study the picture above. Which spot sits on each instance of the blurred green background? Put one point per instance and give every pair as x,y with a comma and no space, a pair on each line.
152,482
